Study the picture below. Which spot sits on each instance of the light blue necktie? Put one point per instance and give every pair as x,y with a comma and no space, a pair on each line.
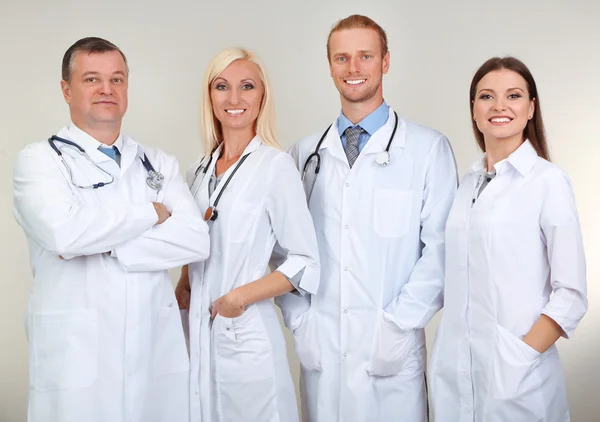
110,151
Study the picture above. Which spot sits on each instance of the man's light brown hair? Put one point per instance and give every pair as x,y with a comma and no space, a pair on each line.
359,21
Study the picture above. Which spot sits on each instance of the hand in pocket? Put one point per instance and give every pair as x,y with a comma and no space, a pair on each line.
392,348
306,343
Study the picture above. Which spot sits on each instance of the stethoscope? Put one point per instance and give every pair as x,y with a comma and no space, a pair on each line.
212,213
382,159
202,168
154,179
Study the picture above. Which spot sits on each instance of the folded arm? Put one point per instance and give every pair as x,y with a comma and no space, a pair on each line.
51,214
181,239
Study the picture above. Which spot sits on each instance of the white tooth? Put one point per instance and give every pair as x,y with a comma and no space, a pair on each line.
356,82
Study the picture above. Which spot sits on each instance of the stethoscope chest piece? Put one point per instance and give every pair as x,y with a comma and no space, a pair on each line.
154,179
382,159
211,214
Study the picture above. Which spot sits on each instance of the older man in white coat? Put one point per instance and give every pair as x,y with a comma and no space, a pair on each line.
379,189
105,218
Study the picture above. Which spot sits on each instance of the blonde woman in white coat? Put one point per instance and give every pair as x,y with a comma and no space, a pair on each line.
252,197
515,266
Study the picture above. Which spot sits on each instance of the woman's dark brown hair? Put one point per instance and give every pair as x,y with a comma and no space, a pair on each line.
534,131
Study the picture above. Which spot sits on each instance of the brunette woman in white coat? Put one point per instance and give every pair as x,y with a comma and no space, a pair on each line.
515,266
252,197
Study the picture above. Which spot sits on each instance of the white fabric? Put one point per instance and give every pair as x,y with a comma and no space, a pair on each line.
105,336
512,255
381,242
239,366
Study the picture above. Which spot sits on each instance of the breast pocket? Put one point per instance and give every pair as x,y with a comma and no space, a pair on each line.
65,349
391,214
242,221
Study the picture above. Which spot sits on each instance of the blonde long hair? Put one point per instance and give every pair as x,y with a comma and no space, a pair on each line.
210,127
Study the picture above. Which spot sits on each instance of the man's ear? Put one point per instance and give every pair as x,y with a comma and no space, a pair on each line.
65,87
385,63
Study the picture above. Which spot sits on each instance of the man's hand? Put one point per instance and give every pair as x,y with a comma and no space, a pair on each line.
229,306
162,212
183,290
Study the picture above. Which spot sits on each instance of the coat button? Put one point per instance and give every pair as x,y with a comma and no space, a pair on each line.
347,185
345,354
345,311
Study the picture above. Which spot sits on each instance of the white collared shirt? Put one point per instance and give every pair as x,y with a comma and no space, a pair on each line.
513,254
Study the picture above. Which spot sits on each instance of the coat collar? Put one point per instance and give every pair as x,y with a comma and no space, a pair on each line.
522,160
128,148
254,144
376,143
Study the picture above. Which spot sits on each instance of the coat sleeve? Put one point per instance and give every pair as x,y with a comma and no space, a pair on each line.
296,253
181,239
49,212
564,244
422,296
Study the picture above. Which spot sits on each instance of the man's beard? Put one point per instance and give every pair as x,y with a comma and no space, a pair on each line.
366,97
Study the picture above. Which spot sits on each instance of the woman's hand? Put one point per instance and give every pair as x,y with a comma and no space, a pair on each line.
183,290
229,306
544,333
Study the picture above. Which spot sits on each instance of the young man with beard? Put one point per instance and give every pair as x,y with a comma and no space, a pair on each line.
379,190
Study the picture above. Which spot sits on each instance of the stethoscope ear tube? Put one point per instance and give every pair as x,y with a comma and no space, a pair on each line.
55,138
202,168
382,159
387,148
211,213
154,179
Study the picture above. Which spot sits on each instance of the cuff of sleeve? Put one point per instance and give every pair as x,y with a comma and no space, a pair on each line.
566,310
566,331
302,276
295,281
145,214
147,211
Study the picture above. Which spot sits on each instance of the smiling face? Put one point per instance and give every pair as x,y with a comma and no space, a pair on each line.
97,91
502,108
356,65
236,96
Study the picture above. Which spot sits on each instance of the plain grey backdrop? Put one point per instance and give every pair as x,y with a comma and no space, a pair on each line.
436,46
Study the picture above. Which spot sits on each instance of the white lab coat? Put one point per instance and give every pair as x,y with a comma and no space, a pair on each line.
381,242
106,341
513,254
239,366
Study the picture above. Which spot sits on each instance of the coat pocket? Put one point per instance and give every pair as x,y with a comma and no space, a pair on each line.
170,351
226,327
65,349
515,390
306,343
242,218
393,349
243,346
244,371
391,213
